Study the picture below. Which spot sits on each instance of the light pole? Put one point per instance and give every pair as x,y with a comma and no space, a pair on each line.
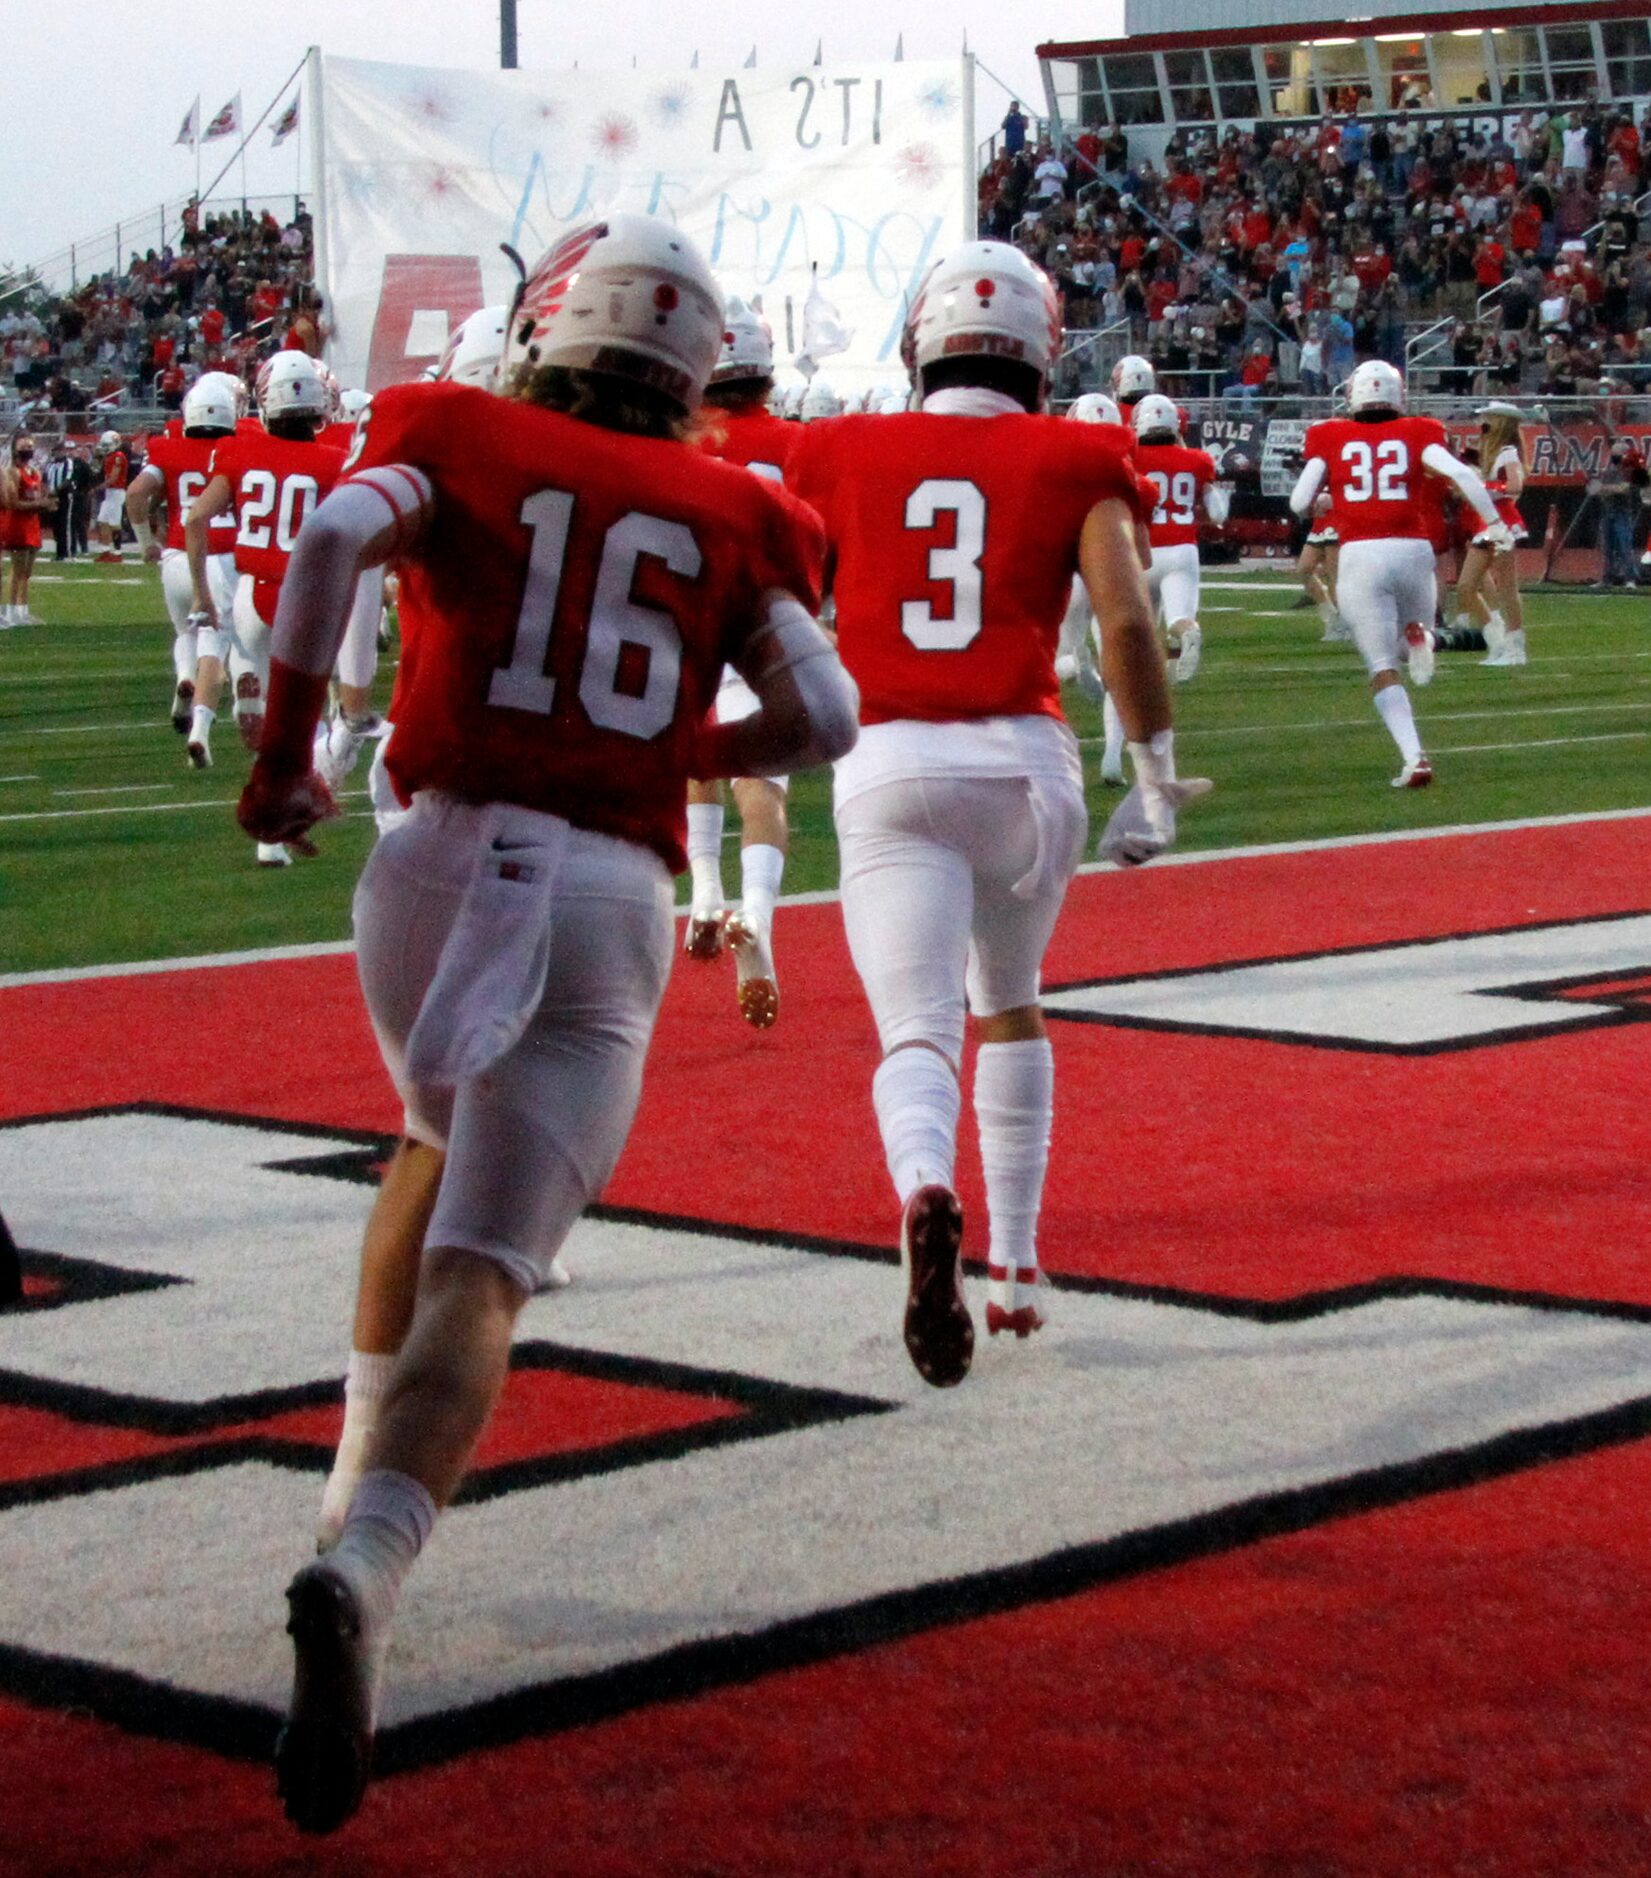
507,35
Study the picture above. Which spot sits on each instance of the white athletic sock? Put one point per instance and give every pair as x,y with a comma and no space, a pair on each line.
1112,756
1393,702
183,654
761,870
917,1101
1014,1106
705,821
201,721
13,615
365,1383
1327,613
390,1519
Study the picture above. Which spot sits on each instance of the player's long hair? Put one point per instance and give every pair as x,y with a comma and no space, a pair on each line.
601,399
1498,433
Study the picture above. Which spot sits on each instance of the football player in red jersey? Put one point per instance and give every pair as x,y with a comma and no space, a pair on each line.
177,471
1376,464
273,480
740,429
111,508
1182,481
575,574
955,532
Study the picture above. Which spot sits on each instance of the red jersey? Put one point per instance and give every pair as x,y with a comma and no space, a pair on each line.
1177,476
114,470
276,483
572,603
185,465
1378,490
761,442
338,435
955,541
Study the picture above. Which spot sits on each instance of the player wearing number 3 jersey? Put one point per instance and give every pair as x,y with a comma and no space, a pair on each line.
955,532
1374,464
574,577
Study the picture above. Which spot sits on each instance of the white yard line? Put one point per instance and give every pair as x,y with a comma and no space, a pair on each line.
1187,734
18,779
78,974
138,808
117,789
1545,743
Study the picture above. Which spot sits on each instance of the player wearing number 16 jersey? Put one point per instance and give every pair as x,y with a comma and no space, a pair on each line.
956,531
1375,465
574,577
1183,488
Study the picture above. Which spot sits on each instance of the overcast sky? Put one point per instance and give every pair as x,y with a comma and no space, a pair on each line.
93,93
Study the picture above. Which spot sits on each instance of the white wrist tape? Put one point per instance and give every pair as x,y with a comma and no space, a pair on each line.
1155,760
145,535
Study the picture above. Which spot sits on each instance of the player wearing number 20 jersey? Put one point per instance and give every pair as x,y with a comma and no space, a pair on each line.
954,534
1376,466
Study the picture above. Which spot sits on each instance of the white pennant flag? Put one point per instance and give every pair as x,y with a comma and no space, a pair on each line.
226,124
191,125
823,330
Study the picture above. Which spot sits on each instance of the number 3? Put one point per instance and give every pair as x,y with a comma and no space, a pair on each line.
958,566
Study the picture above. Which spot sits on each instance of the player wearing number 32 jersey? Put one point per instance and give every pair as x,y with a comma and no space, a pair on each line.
1375,465
955,532
574,576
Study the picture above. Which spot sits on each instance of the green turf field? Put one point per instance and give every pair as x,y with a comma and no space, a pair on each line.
112,849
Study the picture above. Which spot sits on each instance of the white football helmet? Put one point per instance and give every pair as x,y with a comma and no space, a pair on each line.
475,348
291,383
110,440
819,401
747,346
352,403
1133,379
1156,419
233,387
985,299
1095,407
631,297
209,406
1375,386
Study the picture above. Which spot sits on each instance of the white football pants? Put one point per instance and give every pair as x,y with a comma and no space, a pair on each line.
531,1140
951,887
1381,587
1172,582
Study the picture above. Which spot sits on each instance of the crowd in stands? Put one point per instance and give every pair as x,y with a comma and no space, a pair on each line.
1273,261
235,287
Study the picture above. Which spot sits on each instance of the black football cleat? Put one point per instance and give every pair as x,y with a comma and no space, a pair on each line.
940,1335
324,1753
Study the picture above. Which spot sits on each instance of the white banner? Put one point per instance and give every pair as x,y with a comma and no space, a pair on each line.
866,173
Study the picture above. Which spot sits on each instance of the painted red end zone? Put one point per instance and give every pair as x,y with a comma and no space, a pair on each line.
1225,1165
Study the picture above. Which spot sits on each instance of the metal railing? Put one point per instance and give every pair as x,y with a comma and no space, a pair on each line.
1424,350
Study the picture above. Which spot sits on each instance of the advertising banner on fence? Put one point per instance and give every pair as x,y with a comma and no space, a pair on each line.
851,178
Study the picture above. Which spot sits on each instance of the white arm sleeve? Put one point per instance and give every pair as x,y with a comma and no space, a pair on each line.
1218,503
1472,490
810,707
1308,484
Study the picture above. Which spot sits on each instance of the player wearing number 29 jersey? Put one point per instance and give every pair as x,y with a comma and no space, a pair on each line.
1376,466
954,534
1181,485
